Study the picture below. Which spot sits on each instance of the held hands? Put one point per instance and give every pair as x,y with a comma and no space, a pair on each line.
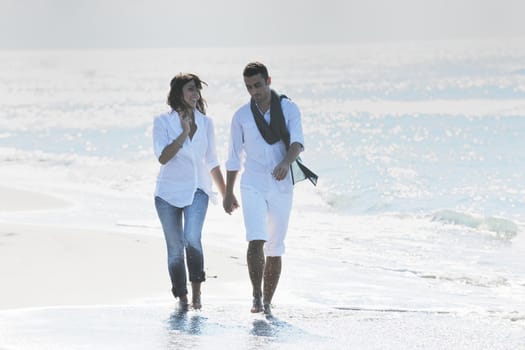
229,203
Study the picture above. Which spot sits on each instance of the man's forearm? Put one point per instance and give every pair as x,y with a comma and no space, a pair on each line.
293,152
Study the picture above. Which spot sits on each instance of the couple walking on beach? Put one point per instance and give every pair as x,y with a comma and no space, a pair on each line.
265,138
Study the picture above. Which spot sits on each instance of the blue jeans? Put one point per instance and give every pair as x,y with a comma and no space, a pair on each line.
183,230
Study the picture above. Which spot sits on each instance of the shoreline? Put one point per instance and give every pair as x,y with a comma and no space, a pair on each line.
53,265
69,287
56,266
15,199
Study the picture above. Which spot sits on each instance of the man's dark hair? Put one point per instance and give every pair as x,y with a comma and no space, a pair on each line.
254,68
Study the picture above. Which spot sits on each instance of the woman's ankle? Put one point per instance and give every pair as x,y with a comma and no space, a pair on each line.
196,295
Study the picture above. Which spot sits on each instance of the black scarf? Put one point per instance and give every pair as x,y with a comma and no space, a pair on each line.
276,130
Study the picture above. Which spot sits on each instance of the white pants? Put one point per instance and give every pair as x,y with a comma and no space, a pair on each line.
266,216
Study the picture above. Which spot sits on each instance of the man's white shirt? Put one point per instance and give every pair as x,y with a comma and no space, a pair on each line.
261,158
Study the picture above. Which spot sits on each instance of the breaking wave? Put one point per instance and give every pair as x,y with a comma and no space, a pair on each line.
504,228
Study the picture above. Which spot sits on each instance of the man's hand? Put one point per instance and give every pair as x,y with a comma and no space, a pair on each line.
281,170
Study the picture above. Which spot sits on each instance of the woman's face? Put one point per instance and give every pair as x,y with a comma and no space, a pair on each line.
191,94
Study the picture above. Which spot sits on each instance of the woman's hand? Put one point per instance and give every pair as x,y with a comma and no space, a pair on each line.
185,121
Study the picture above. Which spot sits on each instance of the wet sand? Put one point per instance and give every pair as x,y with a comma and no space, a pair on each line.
65,288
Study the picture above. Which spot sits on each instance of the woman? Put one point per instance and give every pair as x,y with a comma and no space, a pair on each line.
184,143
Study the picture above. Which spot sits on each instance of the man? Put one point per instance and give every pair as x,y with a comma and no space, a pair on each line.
267,135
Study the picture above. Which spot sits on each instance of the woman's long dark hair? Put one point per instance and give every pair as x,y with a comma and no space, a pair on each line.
175,97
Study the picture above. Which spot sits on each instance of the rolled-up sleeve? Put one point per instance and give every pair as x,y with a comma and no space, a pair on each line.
211,151
235,148
160,136
293,117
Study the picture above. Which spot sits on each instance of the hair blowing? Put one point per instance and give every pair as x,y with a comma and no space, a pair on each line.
175,97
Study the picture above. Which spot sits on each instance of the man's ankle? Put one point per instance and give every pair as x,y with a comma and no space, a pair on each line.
267,309
257,305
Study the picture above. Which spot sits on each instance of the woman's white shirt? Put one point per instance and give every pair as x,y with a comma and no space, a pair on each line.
190,168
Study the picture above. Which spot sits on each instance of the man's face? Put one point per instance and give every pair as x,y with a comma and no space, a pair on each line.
258,88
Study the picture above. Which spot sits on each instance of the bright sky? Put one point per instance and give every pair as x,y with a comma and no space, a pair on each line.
170,23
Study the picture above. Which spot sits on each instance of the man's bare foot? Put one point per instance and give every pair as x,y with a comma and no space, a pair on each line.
267,309
257,306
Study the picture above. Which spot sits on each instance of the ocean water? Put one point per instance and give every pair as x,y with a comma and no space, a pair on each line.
420,205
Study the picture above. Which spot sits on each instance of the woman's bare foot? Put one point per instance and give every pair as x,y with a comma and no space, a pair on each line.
196,295
183,302
196,302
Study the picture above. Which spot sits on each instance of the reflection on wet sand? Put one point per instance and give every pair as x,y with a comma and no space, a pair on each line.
179,321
